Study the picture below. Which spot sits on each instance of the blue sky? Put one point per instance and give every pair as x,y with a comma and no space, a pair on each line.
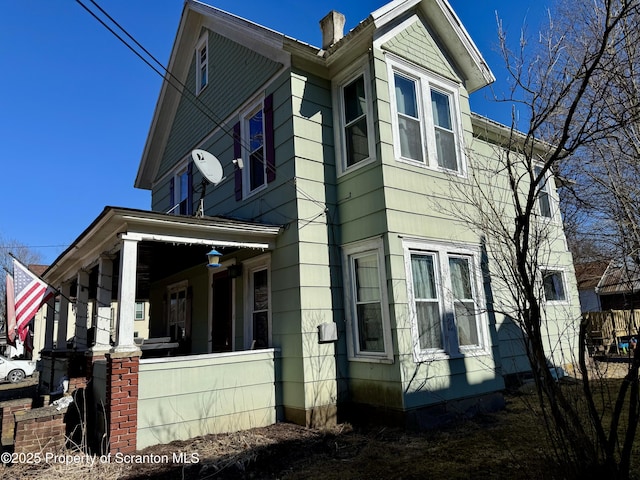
76,104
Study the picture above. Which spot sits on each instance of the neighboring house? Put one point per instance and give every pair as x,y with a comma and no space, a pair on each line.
588,276
342,286
619,287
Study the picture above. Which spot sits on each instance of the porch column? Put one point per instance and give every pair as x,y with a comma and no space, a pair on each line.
63,316
49,324
82,309
103,299
127,295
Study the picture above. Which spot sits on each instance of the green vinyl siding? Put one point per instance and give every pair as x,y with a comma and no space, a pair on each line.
416,44
235,74
188,397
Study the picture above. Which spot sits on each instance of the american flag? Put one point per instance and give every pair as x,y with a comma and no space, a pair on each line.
30,294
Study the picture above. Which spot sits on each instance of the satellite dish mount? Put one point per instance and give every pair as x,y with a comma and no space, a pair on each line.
211,170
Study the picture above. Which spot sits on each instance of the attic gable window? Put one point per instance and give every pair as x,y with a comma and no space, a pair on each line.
352,104
427,126
202,64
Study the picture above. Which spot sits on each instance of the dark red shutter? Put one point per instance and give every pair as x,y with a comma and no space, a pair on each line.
237,153
269,145
172,193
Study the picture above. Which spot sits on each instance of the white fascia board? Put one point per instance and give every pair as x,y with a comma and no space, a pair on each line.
451,30
258,38
151,237
167,103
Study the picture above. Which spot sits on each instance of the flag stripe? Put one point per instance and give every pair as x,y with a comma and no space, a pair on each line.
30,294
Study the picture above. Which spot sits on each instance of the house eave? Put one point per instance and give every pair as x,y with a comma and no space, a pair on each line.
105,234
450,29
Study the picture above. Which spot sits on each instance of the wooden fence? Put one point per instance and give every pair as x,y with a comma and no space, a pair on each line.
607,329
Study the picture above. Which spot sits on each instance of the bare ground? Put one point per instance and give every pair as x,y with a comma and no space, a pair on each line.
503,445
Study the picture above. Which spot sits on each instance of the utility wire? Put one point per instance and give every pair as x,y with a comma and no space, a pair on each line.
170,78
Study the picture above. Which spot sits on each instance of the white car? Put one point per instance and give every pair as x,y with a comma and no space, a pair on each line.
15,371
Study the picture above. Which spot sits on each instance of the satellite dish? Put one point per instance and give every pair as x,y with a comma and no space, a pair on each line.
208,165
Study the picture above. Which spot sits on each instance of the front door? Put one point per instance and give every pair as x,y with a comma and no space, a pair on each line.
222,331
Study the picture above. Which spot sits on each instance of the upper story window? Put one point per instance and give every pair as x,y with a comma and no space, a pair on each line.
202,64
353,109
445,300
544,197
256,166
427,121
254,144
367,307
182,191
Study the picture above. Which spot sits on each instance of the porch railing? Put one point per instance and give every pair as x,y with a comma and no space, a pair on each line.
185,397
607,328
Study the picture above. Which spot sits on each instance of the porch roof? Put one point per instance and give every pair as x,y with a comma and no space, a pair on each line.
106,232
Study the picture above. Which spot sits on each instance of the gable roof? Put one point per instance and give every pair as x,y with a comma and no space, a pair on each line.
619,277
287,50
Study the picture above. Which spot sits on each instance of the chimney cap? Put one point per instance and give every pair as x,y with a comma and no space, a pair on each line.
332,26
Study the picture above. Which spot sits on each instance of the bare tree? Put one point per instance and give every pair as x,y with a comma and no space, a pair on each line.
561,87
26,256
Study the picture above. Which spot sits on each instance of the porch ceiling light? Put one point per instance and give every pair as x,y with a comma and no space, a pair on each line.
213,258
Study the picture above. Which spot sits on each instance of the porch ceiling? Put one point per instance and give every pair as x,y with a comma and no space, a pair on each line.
105,234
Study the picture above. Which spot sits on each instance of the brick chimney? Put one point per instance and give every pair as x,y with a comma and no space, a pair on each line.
332,26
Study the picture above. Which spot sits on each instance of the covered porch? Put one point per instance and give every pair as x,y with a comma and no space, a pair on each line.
155,325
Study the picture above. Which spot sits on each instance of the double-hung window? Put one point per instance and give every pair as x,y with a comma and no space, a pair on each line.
445,300
426,118
258,303
353,106
202,64
367,307
544,197
254,145
181,191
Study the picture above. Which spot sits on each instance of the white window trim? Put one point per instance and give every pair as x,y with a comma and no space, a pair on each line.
451,348
262,262
551,195
174,288
563,275
204,41
175,174
244,116
374,246
144,311
426,81
359,69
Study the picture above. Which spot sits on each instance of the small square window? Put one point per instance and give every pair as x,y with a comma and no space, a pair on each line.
554,289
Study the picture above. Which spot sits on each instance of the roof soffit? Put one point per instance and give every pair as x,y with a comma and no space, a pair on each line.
105,233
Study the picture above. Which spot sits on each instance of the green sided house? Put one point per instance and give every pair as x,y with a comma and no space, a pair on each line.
343,281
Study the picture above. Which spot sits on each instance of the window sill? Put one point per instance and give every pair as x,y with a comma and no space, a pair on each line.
372,359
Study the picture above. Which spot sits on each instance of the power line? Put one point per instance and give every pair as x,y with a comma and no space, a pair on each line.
191,97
